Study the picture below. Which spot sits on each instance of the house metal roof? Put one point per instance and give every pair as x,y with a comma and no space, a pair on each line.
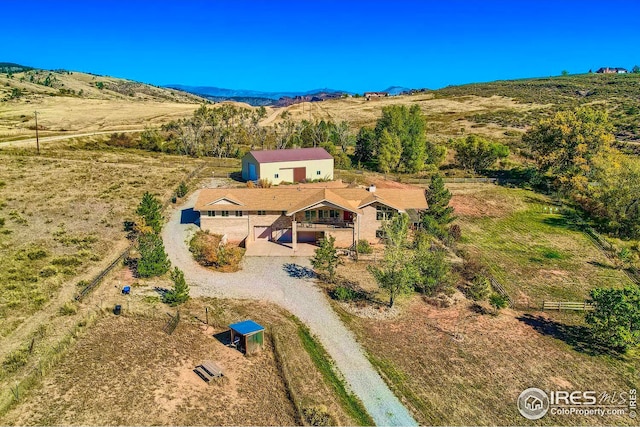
291,155
292,199
246,327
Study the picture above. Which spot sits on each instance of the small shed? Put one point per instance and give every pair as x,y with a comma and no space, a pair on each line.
247,336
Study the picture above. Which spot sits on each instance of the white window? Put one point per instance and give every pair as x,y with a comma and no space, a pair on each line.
262,213
276,176
317,172
309,215
334,214
211,213
383,213
225,213
238,213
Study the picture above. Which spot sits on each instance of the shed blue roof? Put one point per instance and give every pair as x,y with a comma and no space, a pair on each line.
246,327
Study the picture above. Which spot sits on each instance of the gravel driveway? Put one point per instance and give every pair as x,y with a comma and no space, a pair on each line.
287,282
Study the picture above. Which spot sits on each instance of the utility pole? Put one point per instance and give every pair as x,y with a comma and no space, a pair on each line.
37,139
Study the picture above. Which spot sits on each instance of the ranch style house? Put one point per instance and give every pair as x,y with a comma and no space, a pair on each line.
293,165
292,215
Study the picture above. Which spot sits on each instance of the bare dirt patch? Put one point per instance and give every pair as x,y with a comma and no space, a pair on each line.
127,371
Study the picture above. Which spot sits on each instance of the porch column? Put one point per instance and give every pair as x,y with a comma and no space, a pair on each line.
294,234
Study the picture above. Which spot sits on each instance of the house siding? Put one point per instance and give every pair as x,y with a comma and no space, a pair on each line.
284,170
368,224
235,228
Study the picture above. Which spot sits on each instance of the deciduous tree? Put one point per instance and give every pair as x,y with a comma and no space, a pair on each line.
396,273
615,321
478,154
567,144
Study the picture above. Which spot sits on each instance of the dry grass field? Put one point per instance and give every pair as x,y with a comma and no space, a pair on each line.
62,215
120,105
446,117
124,370
454,366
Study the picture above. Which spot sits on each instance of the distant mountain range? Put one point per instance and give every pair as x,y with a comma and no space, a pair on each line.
280,99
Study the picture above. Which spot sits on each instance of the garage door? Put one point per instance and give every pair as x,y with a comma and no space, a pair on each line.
262,233
307,236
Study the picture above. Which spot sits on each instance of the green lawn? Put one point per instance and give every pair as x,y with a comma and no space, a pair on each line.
536,253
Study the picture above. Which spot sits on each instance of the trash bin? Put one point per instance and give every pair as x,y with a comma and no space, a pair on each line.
117,309
126,290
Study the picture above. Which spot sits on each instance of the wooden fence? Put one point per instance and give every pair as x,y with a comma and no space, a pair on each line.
172,324
502,291
567,305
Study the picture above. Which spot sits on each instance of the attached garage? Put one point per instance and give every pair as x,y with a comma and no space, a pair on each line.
262,233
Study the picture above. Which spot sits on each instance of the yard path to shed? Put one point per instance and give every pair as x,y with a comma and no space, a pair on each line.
288,282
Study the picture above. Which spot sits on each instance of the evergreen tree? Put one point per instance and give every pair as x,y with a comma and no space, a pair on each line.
438,213
180,291
326,257
150,209
153,259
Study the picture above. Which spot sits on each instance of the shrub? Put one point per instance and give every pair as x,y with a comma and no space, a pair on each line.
208,251
264,183
1,222
68,309
48,271
37,254
363,247
182,190
317,416
250,184
15,360
455,232
66,261
497,301
342,293
479,289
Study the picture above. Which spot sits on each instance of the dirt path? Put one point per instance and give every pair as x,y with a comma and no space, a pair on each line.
288,282
44,139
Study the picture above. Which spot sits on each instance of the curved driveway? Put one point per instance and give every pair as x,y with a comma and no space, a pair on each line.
287,282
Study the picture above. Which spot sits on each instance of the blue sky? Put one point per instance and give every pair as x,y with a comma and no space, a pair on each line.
306,44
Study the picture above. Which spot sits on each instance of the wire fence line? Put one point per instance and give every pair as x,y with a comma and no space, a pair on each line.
124,254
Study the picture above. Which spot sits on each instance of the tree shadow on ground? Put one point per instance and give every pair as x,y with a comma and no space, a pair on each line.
161,291
577,336
298,272
190,216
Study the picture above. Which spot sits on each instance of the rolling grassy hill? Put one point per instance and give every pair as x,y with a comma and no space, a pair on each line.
69,101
